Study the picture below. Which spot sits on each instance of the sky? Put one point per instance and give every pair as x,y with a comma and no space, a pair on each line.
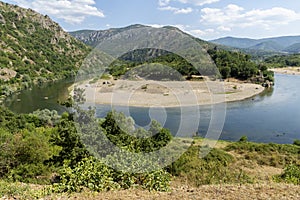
205,19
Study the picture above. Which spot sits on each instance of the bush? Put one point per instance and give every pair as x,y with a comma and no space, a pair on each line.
243,139
291,174
88,173
215,168
157,180
297,142
93,175
23,155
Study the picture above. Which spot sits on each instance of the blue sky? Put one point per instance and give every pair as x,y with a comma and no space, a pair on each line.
206,19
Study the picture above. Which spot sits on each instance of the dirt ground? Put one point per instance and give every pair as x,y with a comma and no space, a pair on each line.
209,192
287,70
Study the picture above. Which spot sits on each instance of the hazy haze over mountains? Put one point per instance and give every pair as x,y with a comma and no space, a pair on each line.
289,44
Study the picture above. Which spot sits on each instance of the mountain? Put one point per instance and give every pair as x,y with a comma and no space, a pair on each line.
93,37
230,62
294,48
33,48
236,42
267,46
275,44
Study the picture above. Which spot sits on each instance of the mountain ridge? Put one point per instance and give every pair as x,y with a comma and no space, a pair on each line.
247,43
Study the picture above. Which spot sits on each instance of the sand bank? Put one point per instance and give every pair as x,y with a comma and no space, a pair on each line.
167,93
287,70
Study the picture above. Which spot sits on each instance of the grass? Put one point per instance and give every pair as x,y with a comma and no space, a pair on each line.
275,155
24,191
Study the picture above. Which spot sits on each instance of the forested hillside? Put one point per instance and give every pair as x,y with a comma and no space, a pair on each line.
283,61
230,63
33,48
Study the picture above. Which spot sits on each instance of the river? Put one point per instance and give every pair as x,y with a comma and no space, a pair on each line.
273,116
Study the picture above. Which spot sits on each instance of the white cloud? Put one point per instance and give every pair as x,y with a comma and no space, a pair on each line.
224,28
235,16
155,25
184,11
71,11
177,10
198,2
201,33
163,3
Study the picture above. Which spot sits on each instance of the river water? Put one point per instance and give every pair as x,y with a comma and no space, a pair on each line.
273,116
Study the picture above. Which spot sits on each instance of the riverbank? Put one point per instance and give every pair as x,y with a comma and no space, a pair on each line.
287,70
146,93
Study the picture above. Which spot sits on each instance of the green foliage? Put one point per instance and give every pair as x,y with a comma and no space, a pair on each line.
157,180
48,117
243,139
283,61
72,149
296,142
23,154
93,175
230,64
9,190
36,48
168,63
120,130
291,174
216,167
106,76
88,173
277,155
233,64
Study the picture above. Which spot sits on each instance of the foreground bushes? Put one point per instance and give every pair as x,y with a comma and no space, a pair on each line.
96,176
42,147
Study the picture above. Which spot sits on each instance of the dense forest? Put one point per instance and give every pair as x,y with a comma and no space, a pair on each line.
283,61
230,65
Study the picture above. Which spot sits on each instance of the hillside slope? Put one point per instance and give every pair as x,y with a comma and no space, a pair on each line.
34,48
93,37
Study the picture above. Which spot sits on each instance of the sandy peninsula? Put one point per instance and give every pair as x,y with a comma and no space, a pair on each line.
146,93
287,70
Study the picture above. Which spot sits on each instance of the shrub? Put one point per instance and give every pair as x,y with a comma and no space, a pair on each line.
96,176
291,174
216,167
243,139
297,142
157,180
23,155
88,173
